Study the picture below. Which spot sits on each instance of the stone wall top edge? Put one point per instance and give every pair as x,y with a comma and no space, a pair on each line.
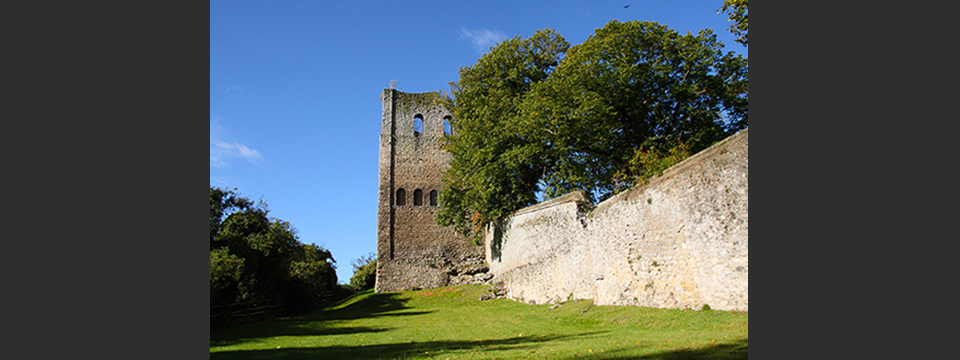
694,160
577,196
580,197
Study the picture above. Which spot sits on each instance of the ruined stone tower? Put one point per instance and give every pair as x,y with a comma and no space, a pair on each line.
412,250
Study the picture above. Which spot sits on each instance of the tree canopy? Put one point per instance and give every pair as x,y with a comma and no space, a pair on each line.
493,166
537,116
737,12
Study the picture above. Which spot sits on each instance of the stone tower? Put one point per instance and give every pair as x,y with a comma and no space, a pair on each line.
412,250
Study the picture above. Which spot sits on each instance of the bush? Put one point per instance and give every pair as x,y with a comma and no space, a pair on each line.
364,277
649,161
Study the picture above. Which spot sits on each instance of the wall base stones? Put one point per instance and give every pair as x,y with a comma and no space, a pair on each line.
415,274
680,241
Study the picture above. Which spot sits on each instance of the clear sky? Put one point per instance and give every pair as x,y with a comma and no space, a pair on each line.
294,87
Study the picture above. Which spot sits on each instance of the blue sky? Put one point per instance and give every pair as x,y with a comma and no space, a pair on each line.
294,86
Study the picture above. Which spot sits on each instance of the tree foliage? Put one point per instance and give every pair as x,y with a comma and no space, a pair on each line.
492,165
737,12
224,202
536,115
226,270
254,257
363,260
364,273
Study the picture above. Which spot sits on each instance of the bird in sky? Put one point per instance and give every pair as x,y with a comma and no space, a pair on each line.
626,6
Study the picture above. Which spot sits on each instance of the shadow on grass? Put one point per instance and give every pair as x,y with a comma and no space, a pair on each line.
286,328
398,350
318,323
374,305
735,351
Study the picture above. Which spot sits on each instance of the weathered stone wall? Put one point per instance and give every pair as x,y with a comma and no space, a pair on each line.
678,242
412,250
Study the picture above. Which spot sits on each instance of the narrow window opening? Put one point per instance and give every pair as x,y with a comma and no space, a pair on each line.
417,125
433,198
447,129
418,197
401,196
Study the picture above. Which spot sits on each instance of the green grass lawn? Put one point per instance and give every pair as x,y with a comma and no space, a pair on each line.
451,323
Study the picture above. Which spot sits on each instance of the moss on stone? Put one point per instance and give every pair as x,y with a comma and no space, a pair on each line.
406,101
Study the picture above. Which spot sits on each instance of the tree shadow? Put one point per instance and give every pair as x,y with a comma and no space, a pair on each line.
391,304
725,351
372,306
298,328
318,323
397,350
496,244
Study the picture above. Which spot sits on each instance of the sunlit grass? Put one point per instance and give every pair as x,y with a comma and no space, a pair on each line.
450,323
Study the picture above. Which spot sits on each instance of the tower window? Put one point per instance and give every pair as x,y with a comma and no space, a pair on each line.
447,128
418,197
401,196
417,125
433,198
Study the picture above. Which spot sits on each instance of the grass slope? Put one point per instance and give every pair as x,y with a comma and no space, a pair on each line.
450,323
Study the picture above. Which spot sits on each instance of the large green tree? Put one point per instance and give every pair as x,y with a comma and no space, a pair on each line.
598,120
632,87
492,167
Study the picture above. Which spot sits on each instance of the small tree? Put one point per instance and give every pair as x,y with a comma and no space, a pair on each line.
364,272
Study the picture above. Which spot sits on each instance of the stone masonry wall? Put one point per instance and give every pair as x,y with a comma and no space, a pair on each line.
412,250
678,242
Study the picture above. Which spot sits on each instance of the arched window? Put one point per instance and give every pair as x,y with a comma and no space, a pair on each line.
418,197
447,129
417,125
401,196
433,198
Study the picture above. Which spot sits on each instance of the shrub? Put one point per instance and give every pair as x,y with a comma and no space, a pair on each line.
364,277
